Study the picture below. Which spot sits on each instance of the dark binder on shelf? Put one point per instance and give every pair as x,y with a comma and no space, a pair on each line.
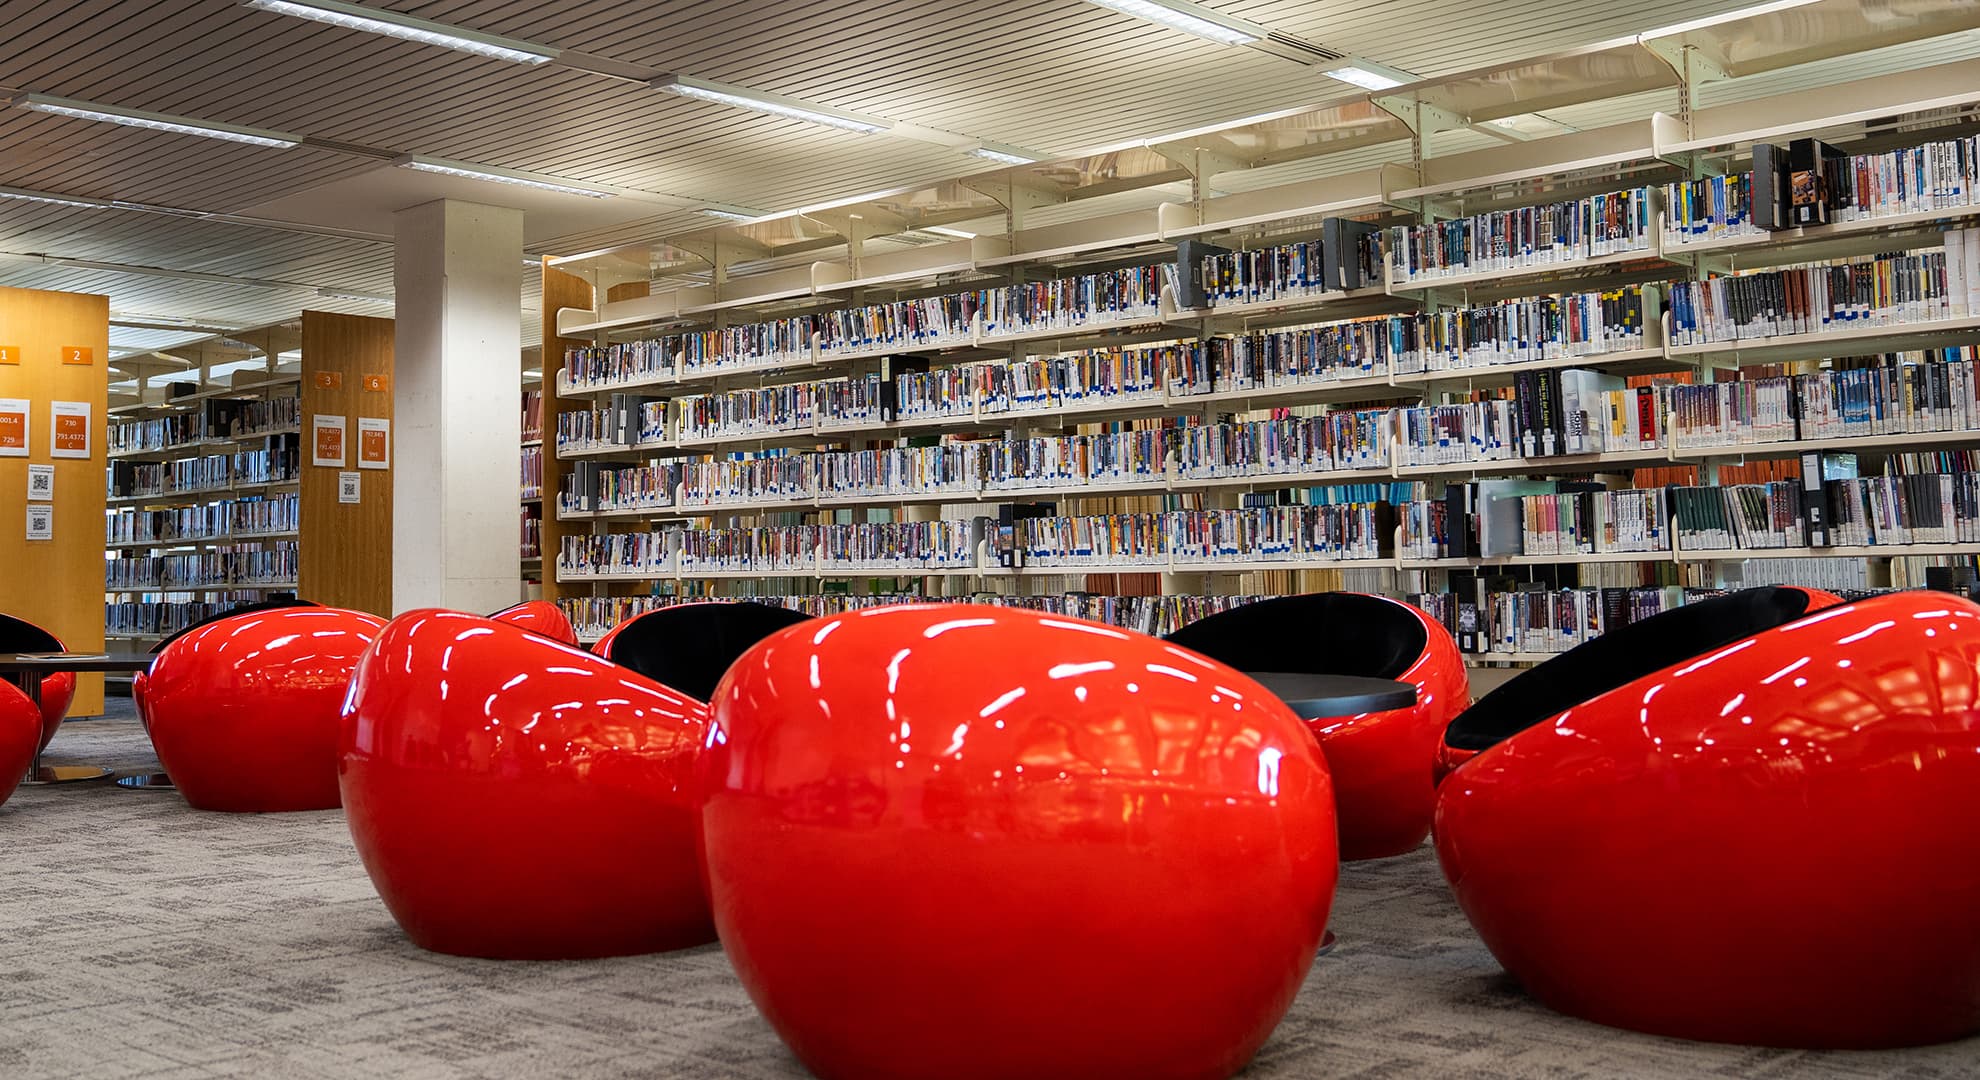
1771,209
1814,504
1340,247
1191,291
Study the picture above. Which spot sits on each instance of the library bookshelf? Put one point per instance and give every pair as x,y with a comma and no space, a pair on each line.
1280,389
203,478
212,495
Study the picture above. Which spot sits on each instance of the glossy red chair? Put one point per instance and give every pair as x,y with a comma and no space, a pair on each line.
20,738
965,841
243,710
517,798
140,681
58,689
1380,761
689,646
540,617
1770,843
1611,659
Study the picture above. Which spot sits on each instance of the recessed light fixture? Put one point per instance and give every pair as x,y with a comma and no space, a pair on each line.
52,200
110,114
1369,75
1190,18
944,230
730,213
407,28
1007,155
341,294
1531,125
774,104
495,176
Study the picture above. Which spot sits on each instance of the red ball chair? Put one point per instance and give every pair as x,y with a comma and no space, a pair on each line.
243,710
517,798
1617,656
20,738
964,841
141,680
689,646
1380,761
1770,843
57,688
540,617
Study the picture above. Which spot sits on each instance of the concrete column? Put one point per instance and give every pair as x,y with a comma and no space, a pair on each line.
456,402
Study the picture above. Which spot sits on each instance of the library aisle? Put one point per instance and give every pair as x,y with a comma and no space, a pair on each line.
1326,529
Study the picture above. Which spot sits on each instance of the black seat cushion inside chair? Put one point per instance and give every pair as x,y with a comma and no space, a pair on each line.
1621,656
20,635
1336,633
690,646
271,604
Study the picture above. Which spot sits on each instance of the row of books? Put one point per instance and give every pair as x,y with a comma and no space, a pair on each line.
214,418
1528,237
1067,303
591,486
278,461
1809,183
272,563
1536,620
1184,540
532,415
209,521
865,547
1035,384
1582,521
1534,329
158,618
593,616
1887,290
532,472
532,535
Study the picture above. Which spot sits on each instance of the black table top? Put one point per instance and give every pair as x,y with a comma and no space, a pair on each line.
75,661
1313,697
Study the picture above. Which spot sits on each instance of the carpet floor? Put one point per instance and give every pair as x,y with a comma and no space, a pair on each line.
140,938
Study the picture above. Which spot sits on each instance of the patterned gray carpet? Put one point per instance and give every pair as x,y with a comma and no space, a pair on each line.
139,938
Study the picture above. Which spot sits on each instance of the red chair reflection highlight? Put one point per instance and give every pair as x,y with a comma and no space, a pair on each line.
1769,844
1380,761
243,710
540,617
140,682
20,738
965,841
58,688
517,798
689,646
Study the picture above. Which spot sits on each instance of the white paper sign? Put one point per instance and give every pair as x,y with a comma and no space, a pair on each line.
41,521
14,427
41,483
68,429
347,487
327,441
374,443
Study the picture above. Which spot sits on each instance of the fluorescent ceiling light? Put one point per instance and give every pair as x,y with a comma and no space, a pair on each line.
774,104
496,176
533,373
1370,75
407,28
52,200
1190,18
1007,155
727,214
339,294
944,230
109,114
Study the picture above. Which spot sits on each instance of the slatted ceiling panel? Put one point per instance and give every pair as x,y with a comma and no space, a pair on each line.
126,337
